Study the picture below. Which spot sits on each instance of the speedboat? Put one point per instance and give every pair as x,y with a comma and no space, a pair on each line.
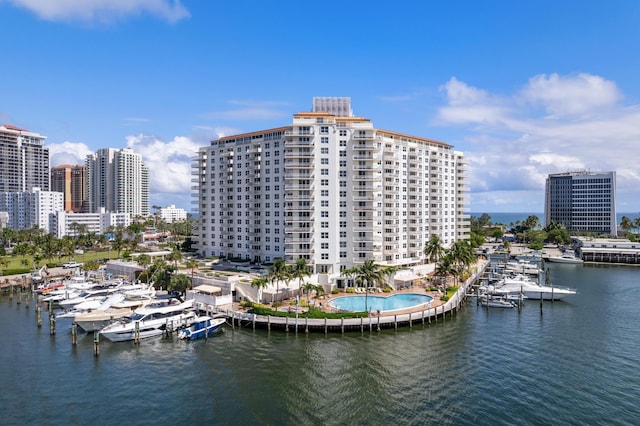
520,285
496,302
565,258
91,304
201,327
86,296
522,267
151,320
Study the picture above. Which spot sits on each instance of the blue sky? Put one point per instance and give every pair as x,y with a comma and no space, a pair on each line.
524,89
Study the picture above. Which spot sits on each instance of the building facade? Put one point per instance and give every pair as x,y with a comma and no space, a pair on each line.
73,224
172,214
583,202
24,160
118,181
330,188
31,209
72,182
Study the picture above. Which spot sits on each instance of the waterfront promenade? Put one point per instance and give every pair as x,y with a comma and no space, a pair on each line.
427,313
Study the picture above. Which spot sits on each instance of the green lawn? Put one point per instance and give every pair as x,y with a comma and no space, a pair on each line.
15,262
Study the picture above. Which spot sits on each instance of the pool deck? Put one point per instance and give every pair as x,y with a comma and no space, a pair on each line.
436,310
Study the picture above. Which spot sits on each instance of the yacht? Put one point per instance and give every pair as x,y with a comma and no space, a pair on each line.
565,258
97,320
521,285
522,267
91,305
151,320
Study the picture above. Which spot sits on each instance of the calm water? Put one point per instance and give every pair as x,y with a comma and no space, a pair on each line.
577,363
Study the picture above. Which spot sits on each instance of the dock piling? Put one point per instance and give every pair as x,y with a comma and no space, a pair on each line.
52,324
74,334
39,316
136,333
96,343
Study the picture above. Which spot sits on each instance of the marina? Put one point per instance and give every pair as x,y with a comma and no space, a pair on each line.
577,359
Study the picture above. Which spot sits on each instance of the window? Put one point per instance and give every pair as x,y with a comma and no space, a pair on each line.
324,150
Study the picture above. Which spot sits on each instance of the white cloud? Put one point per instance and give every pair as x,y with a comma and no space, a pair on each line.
572,95
169,162
102,10
71,153
553,124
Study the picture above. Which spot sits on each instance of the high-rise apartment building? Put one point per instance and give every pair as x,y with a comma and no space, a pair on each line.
72,182
330,188
118,181
24,160
27,209
582,201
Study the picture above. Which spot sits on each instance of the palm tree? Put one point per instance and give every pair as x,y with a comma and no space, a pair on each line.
260,283
434,249
175,256
299,271
461,255
369,274
626,224
279,272
308,287
444,268
192,264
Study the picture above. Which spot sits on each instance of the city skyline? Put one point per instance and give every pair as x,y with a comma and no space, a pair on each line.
522,90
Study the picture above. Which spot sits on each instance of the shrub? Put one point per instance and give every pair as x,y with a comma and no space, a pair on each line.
335,291
387,289
349,290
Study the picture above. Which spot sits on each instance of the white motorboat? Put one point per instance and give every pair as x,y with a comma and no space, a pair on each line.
496,302
522,267
92,304
565,258
151,320
533,256
85,296
201,327
60,294
97,320
520,285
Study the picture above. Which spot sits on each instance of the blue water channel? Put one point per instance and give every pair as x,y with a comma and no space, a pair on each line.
561,363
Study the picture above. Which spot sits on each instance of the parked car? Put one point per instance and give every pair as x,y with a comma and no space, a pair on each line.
72,264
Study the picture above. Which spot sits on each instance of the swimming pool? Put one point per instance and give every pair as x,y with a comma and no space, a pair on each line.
375,303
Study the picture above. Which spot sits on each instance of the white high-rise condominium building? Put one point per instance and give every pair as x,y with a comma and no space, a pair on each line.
330,188
31,208
24,160
118,181
582,201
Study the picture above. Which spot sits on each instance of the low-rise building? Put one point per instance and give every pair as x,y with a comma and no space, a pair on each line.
172,214
74,224
608,250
